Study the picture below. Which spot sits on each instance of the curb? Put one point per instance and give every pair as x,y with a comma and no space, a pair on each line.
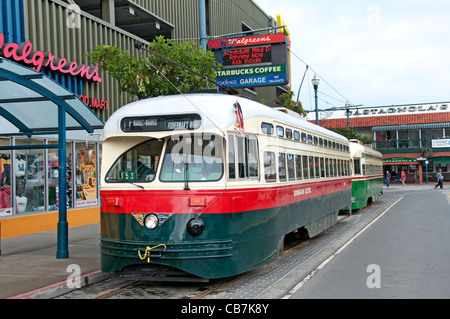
61,288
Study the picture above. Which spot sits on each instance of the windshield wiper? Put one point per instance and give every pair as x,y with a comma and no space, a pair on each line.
141,187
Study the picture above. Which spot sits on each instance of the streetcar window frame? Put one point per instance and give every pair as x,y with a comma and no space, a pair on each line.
252,157
282,167
270,167
305,167
356,166
231,157
218,156
298,167
134,177
267,128
289,133
280,131
311,167
304,138
322,168
317,166
327,165
290,167
246,155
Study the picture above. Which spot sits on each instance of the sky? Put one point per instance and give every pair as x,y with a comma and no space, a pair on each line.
371,53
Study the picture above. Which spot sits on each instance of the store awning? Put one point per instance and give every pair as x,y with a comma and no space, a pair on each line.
440,160
29,100
32,103
410,127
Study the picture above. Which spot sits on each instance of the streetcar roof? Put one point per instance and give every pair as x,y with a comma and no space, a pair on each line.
217,112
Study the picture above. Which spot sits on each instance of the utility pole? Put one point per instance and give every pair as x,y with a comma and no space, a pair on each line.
202,6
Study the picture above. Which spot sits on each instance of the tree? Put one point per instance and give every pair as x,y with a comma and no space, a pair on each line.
287,102
351,134
152,76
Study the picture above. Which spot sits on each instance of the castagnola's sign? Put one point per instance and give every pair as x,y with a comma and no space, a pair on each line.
38,60
252,61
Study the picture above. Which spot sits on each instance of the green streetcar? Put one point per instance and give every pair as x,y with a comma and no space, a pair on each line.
367,177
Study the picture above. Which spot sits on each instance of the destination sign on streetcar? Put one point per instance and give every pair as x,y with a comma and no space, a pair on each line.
161,123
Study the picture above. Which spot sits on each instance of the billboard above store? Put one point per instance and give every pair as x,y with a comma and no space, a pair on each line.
252,61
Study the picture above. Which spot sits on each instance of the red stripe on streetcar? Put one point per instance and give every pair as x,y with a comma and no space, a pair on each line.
216,201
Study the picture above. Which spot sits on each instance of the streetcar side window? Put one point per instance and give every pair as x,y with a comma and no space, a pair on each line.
317,167
231,158
242,158
298,166
311,167
327,164
297,135
357,166
282,166
305,167
247,155
304,137
252,157
290,165
322,167
267,128
280,131
270,167
289,133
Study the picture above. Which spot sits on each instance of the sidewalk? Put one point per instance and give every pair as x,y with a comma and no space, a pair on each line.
29,268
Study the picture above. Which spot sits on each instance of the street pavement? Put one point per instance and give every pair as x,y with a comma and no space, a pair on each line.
402,255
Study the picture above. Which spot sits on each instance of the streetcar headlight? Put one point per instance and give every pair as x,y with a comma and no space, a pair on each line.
196,227
151,221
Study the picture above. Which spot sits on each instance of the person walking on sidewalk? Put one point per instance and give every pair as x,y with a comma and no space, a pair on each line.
388,178
440,180
403,178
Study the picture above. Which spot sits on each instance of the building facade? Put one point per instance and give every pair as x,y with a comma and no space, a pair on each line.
414,138
54,36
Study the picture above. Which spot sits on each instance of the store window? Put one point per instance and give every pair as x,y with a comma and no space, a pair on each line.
85,187
30,177
5,179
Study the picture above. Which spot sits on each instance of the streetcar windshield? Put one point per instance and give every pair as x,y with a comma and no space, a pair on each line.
193,158
138,164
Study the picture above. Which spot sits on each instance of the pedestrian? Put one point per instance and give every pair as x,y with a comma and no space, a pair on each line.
403,179
388,178
440,180
417,176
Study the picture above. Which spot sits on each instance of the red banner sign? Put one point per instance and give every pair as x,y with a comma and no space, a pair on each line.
247,41
38,59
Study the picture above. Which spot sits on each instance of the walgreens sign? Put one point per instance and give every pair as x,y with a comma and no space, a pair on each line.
38,60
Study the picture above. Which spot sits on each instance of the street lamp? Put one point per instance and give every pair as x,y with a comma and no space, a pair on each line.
347,107
315,83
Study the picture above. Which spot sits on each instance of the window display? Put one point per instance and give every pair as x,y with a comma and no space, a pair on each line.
30,177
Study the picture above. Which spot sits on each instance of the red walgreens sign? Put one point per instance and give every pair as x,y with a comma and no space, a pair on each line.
247,41
38,59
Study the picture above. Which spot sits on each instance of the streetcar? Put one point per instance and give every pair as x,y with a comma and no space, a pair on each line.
367,175
210,184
